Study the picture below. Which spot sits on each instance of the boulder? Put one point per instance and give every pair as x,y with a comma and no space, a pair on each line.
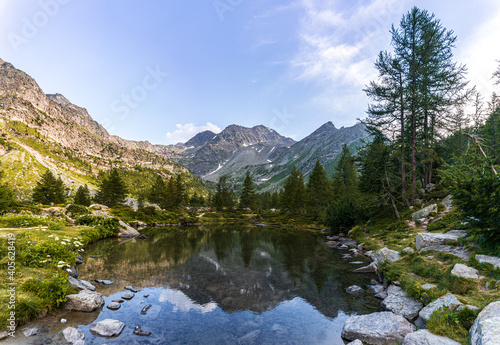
107,328
424,212
105,281
85,300
353,289
72,272
400,303
126,230
468,306
74,336
128,296
448,300
424,337
464,271
356,342
486,328
381,328
427,239
385,254
114,306
461,253
448,201
485,259
145,309
458,233
130,288
28,332
376,288
138,331
371,268
81,284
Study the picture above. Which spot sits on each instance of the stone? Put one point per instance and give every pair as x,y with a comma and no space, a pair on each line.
81,284
138,331
427,239
79,260
356,262
376,288
85,300
371,268
458,233
424,212
107,328
73,335
461,253
408,250
28,332
464,271
485,259
486,328
424,337
386,254
380,328
126,230
146,295
356,342
448,201
145,309
4,335
353,289
128,296
72,272
400,303
64,320
382,294
118,300
114,306
131,288
105,281
428,286
449,300
468,306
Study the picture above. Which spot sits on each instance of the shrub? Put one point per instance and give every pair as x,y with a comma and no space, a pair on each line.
77,210
52,291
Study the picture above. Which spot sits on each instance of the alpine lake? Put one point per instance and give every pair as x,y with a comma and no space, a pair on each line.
219,284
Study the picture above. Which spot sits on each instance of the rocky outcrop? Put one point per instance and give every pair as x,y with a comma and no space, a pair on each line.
126,230
485,259
427,239
381,328
356,342
459,252
107,328
81,284
449,300
74,336
371,268
85,300
385,255
424,337
486,328
464,271
400,303
424,212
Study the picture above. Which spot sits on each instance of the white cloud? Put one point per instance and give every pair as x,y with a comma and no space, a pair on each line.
182,303
185,132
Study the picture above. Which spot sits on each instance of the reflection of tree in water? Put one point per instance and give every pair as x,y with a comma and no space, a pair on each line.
222,240
249,239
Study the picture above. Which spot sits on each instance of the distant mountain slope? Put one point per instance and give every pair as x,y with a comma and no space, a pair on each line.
39,132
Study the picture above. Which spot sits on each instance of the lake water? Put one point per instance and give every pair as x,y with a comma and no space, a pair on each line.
223,284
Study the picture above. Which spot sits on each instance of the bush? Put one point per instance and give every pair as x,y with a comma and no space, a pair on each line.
53,291
342,214
77,210
35,255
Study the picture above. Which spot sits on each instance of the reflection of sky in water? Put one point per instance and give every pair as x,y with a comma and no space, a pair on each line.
183,303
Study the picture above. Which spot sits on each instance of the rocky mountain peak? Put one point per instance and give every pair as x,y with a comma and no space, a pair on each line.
328,127
200,139
60,99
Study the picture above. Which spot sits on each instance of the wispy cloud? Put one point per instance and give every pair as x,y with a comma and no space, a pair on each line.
185,132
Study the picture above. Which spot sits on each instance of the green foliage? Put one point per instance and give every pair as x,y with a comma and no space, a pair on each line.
293,196
342,214
318,191
77,210
248,199
453,324
82,196
102,228
36,255
345,176
51,290
112,190
25,221
223,197
6,195
49,190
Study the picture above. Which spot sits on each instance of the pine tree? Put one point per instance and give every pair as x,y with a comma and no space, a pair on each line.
293,196
171,193
158,192
247,199
112,190
49,190
181,195
318,190
223,196
82,196
345,176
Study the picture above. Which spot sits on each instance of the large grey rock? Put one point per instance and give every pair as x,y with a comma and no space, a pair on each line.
81,284
126,230
73,336
114,306
385,254
459,252
424,337
486,328
458,233
105,281
356,342
400,303
381,328
107,328
85,300
464,271
448,300
371,268
485,259
427,239
424,212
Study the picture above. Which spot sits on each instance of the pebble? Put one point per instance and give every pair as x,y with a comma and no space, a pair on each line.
128,296
145,309
138,331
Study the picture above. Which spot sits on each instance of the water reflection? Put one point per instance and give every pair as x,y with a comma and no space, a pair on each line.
229,284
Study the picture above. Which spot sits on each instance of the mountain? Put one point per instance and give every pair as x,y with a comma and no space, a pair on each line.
39,132
265,154
234,147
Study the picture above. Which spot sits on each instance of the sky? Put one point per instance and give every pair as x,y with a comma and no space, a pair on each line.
164,70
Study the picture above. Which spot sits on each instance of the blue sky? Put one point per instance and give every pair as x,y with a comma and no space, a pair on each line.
163,70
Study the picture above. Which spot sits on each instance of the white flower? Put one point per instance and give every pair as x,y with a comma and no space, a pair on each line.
63,243
51,235
57,238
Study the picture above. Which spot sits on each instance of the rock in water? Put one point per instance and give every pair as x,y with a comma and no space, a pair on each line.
81,284
114,306
145,309
74,336
371,268
138,331
131,288
381,328
400,303
424,337
104,281
486,328
449,300
385,254
128,296
356,342
353,289
84,301
107,328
